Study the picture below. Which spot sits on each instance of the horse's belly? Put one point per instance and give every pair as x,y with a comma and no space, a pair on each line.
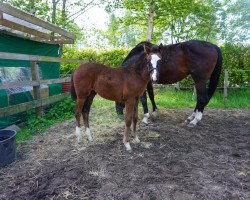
172,78
109,91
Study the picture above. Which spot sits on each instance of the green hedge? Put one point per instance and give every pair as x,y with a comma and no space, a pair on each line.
112,58
235,58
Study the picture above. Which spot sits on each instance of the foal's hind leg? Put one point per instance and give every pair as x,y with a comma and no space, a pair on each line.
78,110
85,114
202,100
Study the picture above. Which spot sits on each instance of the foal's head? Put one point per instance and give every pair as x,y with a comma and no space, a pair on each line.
153,55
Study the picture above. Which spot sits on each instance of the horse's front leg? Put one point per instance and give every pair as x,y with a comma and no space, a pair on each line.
134,122
129,109
152,98
145,108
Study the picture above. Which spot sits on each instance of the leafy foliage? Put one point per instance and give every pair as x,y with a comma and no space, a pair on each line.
113,57
237,61
57,112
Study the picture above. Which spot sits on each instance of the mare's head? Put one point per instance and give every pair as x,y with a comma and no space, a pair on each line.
136,53
153,56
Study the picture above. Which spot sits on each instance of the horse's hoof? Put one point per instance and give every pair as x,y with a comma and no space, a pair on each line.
155,114
191,125
187,121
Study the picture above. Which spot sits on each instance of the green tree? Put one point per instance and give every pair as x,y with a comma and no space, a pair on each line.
235,21
179,20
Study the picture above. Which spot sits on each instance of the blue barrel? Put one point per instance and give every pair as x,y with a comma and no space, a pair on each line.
7,147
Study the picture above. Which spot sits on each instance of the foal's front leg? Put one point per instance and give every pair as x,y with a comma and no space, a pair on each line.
129,109
134,122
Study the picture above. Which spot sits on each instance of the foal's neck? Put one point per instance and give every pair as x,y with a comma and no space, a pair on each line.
141,69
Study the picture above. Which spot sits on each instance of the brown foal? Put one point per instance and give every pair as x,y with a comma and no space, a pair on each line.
116,84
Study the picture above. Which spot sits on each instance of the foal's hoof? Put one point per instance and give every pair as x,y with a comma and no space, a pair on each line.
128,147
79,140
137,140
187,121
90,139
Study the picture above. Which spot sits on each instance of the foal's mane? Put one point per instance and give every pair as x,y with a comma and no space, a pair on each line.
135,53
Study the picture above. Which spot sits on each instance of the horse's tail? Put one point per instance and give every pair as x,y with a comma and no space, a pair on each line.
72,88
214,79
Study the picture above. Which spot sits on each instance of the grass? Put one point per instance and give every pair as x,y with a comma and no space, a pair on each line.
103,111
171,98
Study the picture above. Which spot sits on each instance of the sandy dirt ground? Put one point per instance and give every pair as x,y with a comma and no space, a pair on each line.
173,161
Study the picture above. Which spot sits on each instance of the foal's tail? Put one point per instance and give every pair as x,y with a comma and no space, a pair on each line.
214,79
72,88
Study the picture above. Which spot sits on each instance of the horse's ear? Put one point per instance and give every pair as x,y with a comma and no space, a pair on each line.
146,49
161,48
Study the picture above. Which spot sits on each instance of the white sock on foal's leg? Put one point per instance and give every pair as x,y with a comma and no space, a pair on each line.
78,134
127,145
89,135
137,140
145,118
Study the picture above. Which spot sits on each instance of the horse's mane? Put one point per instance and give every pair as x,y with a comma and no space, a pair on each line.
135,53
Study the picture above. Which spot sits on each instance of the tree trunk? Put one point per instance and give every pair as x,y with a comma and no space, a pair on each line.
150,21
54,12
64,12
64,23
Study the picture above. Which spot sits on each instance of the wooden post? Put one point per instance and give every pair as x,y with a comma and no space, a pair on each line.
225,86
36,89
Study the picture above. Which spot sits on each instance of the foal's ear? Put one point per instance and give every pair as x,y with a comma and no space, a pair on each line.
161,48
146,49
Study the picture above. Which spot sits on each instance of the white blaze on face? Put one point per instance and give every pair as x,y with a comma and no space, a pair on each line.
154,60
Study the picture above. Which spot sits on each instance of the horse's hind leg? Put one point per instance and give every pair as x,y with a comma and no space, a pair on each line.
85,114
202,100
145,107
119,106
78,110
134,122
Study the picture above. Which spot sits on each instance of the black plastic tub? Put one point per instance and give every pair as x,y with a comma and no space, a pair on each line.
7,147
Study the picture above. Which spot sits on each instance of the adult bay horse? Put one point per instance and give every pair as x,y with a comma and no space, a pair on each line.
202,60
116,84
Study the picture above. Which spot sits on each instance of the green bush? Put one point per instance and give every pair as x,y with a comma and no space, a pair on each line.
111,58
237,60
